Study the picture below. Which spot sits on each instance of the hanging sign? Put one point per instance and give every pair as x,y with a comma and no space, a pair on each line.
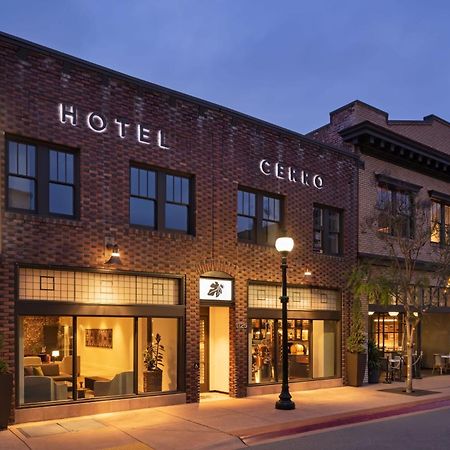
216,289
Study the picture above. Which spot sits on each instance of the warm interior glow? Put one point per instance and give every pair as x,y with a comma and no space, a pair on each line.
284,244
55,353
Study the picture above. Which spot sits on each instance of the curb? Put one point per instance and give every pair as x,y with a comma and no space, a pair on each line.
344,419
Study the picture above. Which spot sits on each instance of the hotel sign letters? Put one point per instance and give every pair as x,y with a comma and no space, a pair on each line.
290,173
99,123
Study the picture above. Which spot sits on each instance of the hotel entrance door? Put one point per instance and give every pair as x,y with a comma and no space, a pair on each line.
214,358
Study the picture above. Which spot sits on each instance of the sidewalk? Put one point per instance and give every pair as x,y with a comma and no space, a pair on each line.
228,423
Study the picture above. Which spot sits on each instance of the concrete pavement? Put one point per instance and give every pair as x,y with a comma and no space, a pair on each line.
226,423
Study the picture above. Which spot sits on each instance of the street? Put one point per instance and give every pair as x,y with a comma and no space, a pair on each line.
424,431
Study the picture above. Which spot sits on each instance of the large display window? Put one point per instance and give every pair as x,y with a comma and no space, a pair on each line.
312,350
75,358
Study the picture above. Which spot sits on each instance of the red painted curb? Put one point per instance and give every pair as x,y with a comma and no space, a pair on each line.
345,420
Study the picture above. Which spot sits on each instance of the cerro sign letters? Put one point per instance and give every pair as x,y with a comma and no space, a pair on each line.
290,173
99,123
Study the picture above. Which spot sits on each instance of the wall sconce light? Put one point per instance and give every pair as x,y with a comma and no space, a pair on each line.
115,253
393,313
415,314
307,273
371,313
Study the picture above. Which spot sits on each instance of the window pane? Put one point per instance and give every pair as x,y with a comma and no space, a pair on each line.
271,208
333,243
61,199
176,217
143,191
318,218
185,193
262,351
177,189
169,188
163,377
45,359
317,244
134,181
21,193
271,231
69,168
151,184
53,165
246,228
435,222
12,146
22,167
105,348
384,198
142,212
61,166
333,221
31,164
299,335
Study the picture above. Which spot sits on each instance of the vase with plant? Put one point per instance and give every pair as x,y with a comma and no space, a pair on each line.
373,361
153,362
356,346
6,386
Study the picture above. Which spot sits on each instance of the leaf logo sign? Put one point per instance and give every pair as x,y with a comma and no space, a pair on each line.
215,289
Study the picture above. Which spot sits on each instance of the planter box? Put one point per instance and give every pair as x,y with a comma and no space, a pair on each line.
6,386
356,368
153,380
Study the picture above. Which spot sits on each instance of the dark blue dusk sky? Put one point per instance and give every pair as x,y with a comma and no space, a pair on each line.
289,62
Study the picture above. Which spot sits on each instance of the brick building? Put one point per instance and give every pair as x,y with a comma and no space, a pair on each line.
404,161
132,213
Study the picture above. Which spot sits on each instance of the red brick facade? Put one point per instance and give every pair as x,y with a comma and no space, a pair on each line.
220,148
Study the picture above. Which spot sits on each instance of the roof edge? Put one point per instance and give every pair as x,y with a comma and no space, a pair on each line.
186,97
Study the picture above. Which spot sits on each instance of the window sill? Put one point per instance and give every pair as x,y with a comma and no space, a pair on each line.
36,218
142,231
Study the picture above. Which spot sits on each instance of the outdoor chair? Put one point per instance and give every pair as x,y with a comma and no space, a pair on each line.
437,363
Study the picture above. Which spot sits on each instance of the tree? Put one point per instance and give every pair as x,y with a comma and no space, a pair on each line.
404,232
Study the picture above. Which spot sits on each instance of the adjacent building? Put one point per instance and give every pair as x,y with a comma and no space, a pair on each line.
136,233
403,161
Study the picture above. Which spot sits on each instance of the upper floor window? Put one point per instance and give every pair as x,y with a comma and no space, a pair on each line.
258,217
160,201
396,211
327,230
440,222
41,179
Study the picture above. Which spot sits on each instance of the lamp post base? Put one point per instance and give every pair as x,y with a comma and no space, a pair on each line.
285,404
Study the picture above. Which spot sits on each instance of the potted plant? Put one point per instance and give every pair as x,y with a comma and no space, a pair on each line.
153,357
374,363
6,386
356,346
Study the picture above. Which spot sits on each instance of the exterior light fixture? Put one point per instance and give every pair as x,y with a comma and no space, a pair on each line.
307,273
393,313
371,313
415,314
284,245
115,253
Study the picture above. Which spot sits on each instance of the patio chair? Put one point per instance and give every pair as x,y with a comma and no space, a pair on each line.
437,363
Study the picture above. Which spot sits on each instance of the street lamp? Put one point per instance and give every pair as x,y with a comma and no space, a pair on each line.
284,245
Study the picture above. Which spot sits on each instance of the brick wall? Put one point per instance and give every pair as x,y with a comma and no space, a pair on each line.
222,152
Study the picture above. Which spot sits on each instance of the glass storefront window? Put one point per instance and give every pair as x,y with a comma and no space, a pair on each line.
157,354
387,332
312,350
45,359
105,348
